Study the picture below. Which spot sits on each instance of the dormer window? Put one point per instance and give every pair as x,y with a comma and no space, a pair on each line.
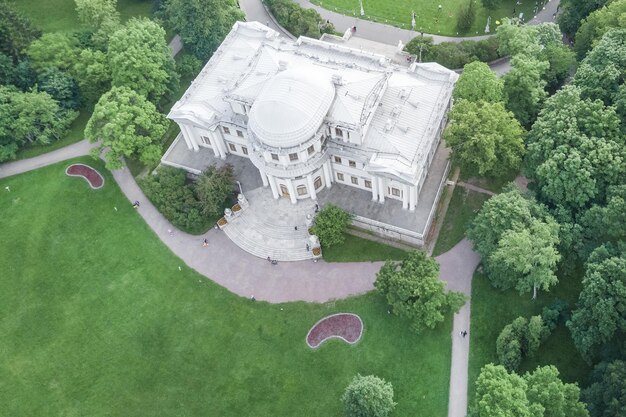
338,132
293,157
311,149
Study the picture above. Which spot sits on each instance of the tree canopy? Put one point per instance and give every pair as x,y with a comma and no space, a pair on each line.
612,15
53,50
213,187
478,82
128,125
203,24
414,291
574,11
101,17
330,225
524,88
368,396
16,31
140,59
606,396
485,138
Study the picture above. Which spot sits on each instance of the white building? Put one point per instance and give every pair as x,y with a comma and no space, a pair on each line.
309,113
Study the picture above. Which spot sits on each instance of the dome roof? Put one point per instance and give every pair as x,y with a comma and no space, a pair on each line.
291,107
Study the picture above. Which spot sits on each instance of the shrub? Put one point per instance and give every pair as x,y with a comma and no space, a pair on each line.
521,338
213,187
455,55
189,66
466,16
330,225
368,396
298,20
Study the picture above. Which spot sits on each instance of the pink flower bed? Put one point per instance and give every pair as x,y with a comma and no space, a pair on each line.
92,176
345,326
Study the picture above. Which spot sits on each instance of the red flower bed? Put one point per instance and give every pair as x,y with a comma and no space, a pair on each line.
92,176
345,326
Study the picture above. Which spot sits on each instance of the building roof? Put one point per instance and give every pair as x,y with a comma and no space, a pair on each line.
290,107
294,86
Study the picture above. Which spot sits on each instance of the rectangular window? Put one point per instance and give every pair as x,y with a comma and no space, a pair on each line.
338,132
232,147
340,176
352,164
293,156
301,190
274,157
337,160
226,130
206,140
395,192
311,149
318,183
368,184
245,150
354,180
240,133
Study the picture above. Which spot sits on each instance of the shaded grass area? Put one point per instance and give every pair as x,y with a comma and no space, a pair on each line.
492,309
98,320
60,15
428,17
75,134
492,184
358,249
463,207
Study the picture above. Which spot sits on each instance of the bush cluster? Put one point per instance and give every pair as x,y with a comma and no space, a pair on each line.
455,55
298,20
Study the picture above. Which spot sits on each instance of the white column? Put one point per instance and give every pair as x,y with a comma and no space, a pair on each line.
381,189
292,191
312,193
413,198
405,196
221,146
273,186
190,134
183,131
213,140
264,178
374,181
328,174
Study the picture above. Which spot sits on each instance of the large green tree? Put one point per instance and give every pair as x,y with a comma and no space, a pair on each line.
604,223
575,151
612,15
526,258
600,314
478,82
16,31
606,396
213,187
414,291
101,17
203,24
485,138
140,59
61,87
126,124
545,388
574,11
53,50
368,396
92,72
330,225
524,88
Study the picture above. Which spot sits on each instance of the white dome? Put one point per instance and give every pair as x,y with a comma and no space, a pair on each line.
291,107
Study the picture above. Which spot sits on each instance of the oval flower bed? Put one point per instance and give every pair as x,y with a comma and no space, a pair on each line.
345,326
90,175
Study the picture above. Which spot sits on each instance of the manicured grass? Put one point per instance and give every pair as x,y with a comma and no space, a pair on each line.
357,249
428,18
60,15
75,134
492,309
98,320
464,206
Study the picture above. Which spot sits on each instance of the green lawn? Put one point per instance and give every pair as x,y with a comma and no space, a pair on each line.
492,309
60,15
98,320
357,249
464,206
429,19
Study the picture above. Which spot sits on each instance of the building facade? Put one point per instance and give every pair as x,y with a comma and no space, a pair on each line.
308,114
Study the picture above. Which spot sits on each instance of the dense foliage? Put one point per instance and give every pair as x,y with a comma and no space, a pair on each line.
299,21
597,24
606,396
213,187
414,291
100,17
574,11
16,31
465,16
478,82
368,396
454,55
521,338
330,225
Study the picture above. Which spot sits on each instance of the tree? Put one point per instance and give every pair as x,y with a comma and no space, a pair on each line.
604,223
414,291
574,11
93,75
60,86
213,187
597,24
478,83
465,17
368,396
127,125
500,394
606,396
524,88
141,60
7,70
16,31
419,46
600,315
203,24
520,339
526,258
545,388
575,151
515,39
101,17
485,138
560,60
53,50
330,225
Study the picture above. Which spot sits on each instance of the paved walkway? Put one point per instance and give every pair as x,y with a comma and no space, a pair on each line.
474,188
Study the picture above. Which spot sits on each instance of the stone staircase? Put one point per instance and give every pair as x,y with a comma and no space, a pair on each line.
267,227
